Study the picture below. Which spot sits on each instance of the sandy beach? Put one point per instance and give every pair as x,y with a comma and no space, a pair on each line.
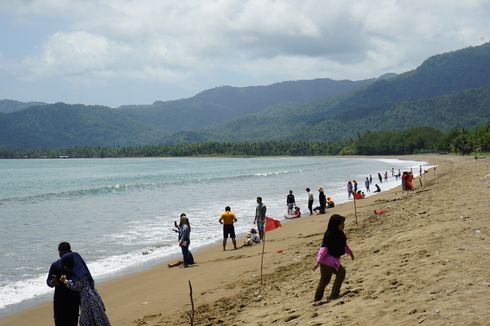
424,261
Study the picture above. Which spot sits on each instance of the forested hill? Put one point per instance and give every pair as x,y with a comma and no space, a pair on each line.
227,103
441,74
446,91
62,125
8,106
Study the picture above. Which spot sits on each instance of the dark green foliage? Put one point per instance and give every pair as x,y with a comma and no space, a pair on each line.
409,141
62,125
227,103
8,106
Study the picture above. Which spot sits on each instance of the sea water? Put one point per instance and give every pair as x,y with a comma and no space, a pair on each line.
118,213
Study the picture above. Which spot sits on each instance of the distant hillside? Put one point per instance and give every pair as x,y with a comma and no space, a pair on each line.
8,106
227,103
447,91
466,108
62,125
439,75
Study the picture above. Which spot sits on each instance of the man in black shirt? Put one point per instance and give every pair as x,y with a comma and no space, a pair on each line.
65,301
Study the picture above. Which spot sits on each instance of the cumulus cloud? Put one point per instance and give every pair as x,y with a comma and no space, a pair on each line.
238,42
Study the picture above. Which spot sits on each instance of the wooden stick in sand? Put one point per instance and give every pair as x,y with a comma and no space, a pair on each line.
191,315
262,259
355,208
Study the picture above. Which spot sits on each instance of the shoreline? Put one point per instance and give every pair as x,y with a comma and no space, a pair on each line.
172,256
150,256
144,295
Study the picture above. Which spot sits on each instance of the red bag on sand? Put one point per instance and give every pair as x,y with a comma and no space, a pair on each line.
271,224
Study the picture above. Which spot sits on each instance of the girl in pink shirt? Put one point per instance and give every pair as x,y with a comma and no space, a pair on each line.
328,258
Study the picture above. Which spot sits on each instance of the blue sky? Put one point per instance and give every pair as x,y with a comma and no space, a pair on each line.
115,52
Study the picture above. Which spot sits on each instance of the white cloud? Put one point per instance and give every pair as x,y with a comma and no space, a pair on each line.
255,41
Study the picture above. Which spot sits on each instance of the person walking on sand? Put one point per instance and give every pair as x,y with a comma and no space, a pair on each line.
291,202
227,219
92,309
66,302
311,199
334,246
260,212
185,240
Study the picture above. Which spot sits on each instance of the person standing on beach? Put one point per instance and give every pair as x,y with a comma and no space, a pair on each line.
92,309
311,199
354,185
227,219
349,188
366,184
291,202
323,200
370,179
334,246
66,302
380,178
185,239
260,212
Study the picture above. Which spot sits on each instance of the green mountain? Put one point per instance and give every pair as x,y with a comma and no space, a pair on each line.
8,106
446,91
62,125
227,103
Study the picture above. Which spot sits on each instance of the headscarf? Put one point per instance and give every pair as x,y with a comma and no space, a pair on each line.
75,263
334,238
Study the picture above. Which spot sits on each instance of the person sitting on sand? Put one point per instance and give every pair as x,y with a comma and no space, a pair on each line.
297,212
358,195
334,246
254,236
378,189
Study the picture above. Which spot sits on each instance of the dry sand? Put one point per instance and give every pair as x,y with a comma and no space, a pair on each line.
425,261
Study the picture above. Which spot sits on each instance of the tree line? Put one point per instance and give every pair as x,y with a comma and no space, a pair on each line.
409,141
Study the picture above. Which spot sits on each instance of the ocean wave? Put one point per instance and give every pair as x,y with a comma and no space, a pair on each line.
122,188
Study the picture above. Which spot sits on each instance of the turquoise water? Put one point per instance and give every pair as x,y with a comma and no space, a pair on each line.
113,210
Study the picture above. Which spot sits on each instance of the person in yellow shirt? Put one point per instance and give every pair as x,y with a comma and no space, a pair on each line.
227,219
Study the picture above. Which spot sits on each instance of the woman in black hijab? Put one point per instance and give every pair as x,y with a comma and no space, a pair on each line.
328,258
92,310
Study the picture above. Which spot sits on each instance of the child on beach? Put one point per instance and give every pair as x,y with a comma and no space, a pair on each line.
328,258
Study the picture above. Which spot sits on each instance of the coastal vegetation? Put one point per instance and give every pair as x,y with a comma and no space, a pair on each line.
409,141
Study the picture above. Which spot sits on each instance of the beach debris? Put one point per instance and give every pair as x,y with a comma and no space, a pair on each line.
310,243
145,302
379,211
145,252
478,231
280,251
